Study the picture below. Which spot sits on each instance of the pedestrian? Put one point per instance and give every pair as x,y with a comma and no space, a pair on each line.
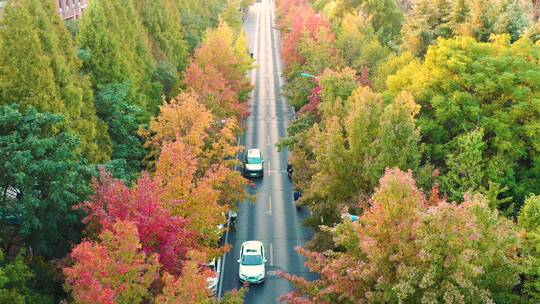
251,55
297,195
289,170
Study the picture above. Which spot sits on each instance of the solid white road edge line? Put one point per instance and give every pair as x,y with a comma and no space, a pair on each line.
271,255
224,259
270,205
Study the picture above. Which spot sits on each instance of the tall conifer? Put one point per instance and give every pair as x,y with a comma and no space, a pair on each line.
40,69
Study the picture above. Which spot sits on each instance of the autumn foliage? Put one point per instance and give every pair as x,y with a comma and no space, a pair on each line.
181,117
116,270
175,210
189,288
191,149
403,250
218,72
73,97
186,195
159,231
299,21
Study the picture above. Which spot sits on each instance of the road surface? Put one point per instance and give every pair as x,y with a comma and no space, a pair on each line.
273,219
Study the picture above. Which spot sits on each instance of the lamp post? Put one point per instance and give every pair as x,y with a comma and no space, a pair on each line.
307,75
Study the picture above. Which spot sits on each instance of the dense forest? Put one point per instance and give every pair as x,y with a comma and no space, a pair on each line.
117,132
423,119
419,117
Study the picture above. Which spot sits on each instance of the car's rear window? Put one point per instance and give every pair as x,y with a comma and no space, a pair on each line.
254,160
252,260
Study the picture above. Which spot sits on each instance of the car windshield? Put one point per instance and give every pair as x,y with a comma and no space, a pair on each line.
251,260
254,160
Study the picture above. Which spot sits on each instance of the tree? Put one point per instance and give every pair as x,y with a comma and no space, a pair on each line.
358,43
318,52
182,117
114,270
211,141
336,87
403,250
45,178
188,196
427,21
163,23
101,53
352,148
199,184
430,20
114,107
529,222
463,85
387,18
197,17
190,288
390,66
465,166
398,136
40,69
307,48
220,77
107,61
482,269
495,16
303,22
16,281
159,231
233,14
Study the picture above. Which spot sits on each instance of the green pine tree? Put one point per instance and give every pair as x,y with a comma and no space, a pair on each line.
162,21
114,48
465,166
41,69
197,17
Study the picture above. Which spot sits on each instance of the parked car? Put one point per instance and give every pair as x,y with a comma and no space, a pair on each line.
213,281
253,163
252,262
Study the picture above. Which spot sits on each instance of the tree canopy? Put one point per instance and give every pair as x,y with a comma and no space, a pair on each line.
463,85
446,90
80,95
408,249
45,179
39,68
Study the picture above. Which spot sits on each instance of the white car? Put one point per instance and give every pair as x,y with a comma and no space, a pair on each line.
253,163
213,281
252,262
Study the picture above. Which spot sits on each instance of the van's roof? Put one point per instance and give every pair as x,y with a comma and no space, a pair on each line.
254,153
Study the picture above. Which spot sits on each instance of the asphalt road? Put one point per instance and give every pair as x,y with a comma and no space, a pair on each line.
273,219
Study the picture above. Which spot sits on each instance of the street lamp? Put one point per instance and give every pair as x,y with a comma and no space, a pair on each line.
307,75
352,217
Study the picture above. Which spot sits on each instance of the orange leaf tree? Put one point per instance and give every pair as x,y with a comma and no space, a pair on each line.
202,200
182,117
116,270
194,157
218,72
190,288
